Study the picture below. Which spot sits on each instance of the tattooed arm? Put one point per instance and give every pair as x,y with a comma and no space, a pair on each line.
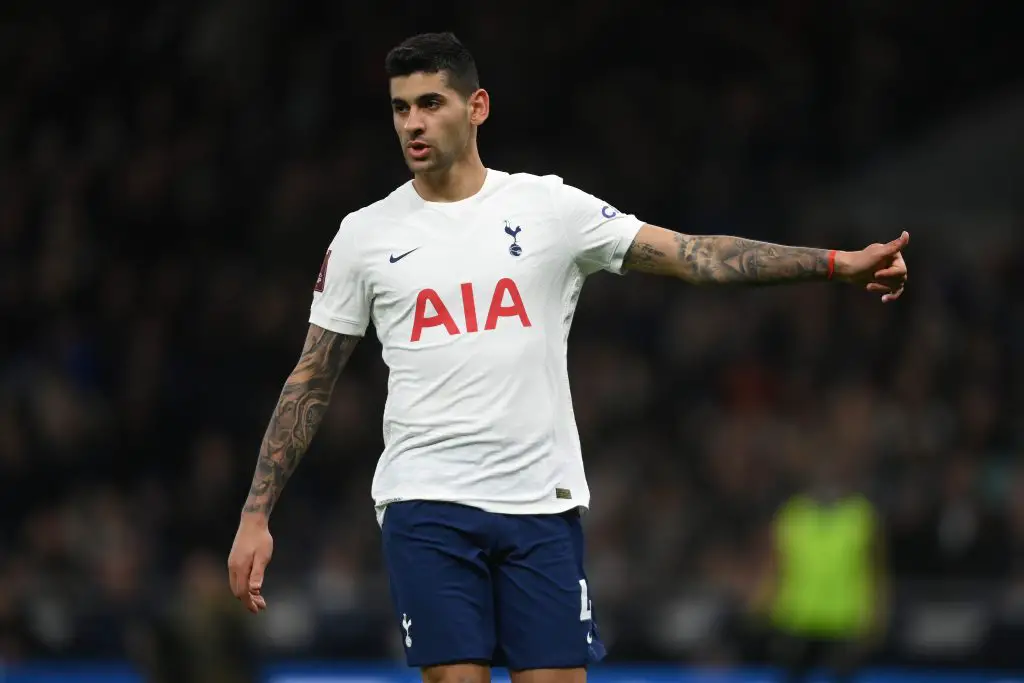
724,260
297,415
719,259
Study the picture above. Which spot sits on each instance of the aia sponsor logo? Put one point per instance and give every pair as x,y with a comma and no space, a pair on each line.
432,311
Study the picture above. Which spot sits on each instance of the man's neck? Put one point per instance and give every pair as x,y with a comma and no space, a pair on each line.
460,181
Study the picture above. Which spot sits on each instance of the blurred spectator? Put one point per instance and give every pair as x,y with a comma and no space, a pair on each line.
200,635
826,590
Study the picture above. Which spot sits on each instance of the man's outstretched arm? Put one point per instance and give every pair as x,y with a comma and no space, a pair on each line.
725,260
297,415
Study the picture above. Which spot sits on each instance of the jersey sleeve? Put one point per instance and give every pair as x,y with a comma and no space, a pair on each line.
598,234
341,301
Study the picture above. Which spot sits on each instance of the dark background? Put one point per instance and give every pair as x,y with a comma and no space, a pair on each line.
172,172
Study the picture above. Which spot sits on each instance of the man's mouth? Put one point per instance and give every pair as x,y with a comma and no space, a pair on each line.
418,149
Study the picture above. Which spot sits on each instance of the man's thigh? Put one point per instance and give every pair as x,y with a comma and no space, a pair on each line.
544,605
441,584
575,675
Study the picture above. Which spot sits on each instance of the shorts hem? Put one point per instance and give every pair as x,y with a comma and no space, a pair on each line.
454,661
566,667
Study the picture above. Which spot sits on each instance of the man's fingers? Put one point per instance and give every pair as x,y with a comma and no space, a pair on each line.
259,566
892,271
250,603
890,280
239,571
254,603
898,244
886,298
236,577
255,581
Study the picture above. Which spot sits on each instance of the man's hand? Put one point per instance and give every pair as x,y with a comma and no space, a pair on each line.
250,554
878,268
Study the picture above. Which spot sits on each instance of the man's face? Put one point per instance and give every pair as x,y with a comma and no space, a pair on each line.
434,122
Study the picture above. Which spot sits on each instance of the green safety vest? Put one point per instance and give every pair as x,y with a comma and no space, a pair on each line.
826,580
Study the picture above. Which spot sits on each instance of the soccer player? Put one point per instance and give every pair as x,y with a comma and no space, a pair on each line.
470,276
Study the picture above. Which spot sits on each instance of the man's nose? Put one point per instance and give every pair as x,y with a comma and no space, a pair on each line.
414,122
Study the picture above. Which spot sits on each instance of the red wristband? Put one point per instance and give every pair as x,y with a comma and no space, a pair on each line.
831,263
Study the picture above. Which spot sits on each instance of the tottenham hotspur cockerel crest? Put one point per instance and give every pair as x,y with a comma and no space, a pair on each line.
513,248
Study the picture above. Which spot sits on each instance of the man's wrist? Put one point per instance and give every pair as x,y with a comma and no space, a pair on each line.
839,264
255,517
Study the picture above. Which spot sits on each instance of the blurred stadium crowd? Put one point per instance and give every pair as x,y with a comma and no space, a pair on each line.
171,173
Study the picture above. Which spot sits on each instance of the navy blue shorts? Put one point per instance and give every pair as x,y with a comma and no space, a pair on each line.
475,586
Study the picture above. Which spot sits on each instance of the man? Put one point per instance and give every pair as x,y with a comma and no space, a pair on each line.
471,276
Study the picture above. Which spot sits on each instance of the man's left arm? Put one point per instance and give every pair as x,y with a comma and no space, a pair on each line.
726,260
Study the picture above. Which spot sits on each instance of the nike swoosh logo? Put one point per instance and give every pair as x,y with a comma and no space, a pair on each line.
396,259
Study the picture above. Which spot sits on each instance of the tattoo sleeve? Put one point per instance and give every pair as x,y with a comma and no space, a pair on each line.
719,259
297,415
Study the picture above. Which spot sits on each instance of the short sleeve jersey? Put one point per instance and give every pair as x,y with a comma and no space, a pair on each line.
472,302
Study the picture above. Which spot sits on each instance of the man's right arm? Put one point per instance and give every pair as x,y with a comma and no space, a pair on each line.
297,415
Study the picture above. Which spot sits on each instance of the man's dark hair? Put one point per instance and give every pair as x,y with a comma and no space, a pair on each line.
435,53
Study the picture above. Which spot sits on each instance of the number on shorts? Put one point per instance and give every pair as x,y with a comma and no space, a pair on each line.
584,601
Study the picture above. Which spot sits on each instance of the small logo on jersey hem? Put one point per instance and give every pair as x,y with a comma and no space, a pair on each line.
406,625
396,259
513,248
563,494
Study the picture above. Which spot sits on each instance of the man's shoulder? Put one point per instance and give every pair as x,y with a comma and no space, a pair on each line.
554,187
392,206
537,191
523,179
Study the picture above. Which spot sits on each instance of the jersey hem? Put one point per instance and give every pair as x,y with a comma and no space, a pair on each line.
552,507
337,325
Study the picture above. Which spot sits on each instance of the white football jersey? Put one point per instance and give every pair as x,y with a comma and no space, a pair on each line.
472,303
